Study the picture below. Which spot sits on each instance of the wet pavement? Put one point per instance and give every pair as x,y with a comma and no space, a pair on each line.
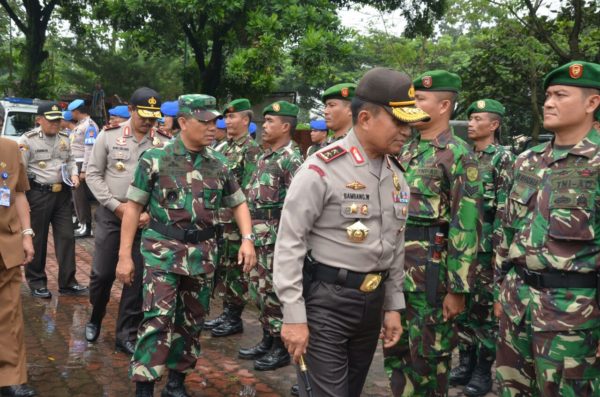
62,363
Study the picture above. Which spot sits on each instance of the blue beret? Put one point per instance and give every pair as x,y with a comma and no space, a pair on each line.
221,124
170,108
120,111
76,104
318,125
252,128
67,115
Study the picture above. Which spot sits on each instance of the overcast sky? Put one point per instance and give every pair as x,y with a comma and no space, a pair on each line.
362,18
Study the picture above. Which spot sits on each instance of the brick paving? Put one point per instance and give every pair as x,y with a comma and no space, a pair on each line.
62,363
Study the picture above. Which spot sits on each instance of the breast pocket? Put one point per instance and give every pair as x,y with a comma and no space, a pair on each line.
572,216
518,203
268,189
424,204
120,155
173,198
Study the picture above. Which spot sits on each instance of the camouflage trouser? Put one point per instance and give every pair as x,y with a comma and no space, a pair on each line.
419,364
262,291
174,308
548,364
477,326
234,279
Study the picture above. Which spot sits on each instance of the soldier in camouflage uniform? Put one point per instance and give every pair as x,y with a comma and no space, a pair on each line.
184,186
548,262
242,153
445,197
478,327
266,195
337,113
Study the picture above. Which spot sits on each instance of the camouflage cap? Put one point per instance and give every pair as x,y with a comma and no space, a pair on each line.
438,80
486,106
282,108
576,73
199,106
147,102
50,110
237,105
344,91
393,91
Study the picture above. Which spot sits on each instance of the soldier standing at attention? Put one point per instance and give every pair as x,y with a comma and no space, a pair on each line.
184,186
110,170
266,196
48,160
446,194
242,154
337,113
339,256
548,262
318,136
477,326
82,140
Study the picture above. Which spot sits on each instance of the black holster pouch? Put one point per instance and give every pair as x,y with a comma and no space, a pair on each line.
307,273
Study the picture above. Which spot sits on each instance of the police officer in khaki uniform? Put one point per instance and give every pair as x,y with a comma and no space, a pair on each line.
109,173
339,255
51,169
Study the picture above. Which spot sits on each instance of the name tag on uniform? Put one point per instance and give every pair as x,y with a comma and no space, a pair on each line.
4,196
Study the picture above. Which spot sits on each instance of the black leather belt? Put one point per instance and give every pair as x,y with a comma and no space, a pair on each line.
192,236
347,278
52,188
557,279
266,213
424,233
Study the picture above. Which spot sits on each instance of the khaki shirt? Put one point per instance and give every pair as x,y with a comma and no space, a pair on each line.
113,160
330,192
44,156
82,139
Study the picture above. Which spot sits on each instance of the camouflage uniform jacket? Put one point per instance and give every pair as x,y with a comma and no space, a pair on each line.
445,189
315,148
242,155
184,193
269,186
495,170
552,223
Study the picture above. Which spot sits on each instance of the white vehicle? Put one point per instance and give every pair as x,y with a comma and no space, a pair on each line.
19,116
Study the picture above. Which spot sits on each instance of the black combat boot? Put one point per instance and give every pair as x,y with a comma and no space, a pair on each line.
175,386
277,357
233,325
220,319
260,349
295,390
481,380
144,389
467,359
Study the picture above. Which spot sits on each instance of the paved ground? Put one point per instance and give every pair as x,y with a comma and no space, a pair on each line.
62,363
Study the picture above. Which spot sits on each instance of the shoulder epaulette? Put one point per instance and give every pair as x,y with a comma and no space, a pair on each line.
61,133
331,154
31,134
164,133
111,127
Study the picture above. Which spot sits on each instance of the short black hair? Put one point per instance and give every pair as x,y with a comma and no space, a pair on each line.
292,121
358,105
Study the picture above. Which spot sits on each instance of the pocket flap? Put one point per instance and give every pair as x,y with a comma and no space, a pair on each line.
584,368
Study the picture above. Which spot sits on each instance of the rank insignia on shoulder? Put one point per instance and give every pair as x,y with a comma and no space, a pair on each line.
331,153
355,185
111,127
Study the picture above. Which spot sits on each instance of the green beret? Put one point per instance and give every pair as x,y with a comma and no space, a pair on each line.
343,91
438,80
486,106
282,108
576,73
237,105
201,107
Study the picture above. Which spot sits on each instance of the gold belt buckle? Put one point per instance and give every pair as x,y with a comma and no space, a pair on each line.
371,282
56,187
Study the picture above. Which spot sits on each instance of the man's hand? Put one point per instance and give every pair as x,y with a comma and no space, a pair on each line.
75,181
497,309
391,329
82,176
120,211
144,220
453,305
125,269
27,249
295,338
247,255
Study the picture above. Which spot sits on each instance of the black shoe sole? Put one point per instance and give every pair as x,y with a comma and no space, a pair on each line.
217,335
273,367
251,356
84,292
42,296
